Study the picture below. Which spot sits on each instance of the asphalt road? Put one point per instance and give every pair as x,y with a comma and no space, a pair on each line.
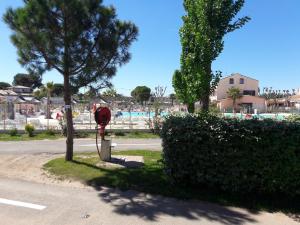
29,203
80,145
57,205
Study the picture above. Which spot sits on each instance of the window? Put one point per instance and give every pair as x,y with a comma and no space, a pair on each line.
231,81
242,80
249,92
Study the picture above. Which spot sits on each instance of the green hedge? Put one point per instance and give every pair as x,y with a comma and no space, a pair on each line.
249,156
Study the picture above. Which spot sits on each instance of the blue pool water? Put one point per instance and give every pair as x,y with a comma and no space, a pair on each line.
141,114
228,115
257,116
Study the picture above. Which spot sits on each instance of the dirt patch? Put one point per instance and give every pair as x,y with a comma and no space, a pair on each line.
29,167
122,161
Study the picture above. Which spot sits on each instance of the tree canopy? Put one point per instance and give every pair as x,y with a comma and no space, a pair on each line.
204,26
4,85
110,92
141,94
28,80
81,39
181,88
58,90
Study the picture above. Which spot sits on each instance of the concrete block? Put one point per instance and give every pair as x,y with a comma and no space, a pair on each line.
105,153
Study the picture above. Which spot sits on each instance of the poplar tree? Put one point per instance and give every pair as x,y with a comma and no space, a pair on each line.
81,39
181,88
202,38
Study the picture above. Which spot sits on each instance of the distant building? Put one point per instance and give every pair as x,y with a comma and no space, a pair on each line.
27,105
294,101
56,102
249,89
8,93
21,98
21,90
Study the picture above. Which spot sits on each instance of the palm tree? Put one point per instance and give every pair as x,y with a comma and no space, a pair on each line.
267,90
234,93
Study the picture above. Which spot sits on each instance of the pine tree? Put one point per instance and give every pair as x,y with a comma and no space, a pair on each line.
81,39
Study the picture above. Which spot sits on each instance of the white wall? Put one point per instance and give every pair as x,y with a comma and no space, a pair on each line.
224,85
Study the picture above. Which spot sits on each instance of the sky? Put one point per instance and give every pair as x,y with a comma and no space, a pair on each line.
267,48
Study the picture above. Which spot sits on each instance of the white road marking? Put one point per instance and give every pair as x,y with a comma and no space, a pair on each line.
21,204
114,145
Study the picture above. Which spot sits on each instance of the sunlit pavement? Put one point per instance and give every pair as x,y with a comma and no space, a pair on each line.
80,145
29,203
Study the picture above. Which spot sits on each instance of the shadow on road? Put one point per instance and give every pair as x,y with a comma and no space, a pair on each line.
150,207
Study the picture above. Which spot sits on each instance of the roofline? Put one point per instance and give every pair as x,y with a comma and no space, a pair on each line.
240,75
19,86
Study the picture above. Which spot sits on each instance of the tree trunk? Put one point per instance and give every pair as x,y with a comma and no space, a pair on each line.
233,106
69,117
205,102
67,94
191,107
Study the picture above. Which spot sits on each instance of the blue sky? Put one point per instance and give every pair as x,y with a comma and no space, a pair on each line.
267,48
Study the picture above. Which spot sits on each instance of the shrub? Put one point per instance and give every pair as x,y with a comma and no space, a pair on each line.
120,133
155,124
63,128
294,118
13,132
214,110
137,133
81,134
29,128
50,132
239,157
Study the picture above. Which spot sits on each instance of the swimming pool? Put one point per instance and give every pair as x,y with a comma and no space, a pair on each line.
257,116
136,114
140,114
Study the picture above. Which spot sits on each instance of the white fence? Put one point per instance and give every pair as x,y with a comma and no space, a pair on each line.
82,121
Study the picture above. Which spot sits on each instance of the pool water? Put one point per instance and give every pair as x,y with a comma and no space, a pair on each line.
135,114
140,114
256,116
